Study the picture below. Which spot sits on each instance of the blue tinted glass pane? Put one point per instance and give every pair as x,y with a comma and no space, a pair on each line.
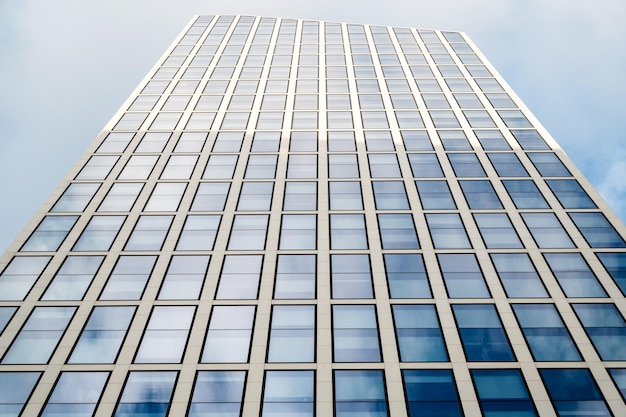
574,275
545,333
503,393
518,275
397,231
359,386
606,329
462,276
597,231
355,334
570,194
16,388
406,276
431,393
481,333
466,165
480,195
615,264
435,195
619,377
419,334
548,164
507,165
525,194
574,392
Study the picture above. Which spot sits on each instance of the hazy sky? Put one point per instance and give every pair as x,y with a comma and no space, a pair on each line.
67,65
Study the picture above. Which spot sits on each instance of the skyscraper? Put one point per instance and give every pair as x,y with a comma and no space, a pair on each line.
305,218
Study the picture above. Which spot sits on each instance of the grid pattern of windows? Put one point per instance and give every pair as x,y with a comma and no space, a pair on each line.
309,218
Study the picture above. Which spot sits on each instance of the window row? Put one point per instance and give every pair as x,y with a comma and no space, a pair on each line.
428,393
292,334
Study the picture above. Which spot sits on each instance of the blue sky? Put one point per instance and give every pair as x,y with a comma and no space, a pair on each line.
67,65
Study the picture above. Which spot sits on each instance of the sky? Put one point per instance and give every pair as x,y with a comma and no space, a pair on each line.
67,65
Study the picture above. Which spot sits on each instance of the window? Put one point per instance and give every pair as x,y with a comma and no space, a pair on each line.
409,119
210,196
97,168
115,142
462,275
166,196
436,101
99,234
374,120
507,165
341,141
503,392
454,140
300,196
447,231
606,329
302,166
492,140
16,390
288,393
200,121
444,119
390,195
615,264
50,233
597,230
397,231
435,195
153,142
217,393
431,392
19,276
547,230
303,142
419,333
574,275
295,277
619,377
478,119
355,334
220,167
514,118
73,278
147,390
574,389
229,334
255,196
343,166
497,231
121,197
149,233
76,393
103,335
545,333
75,198
129,278
199,232
378,140
482,334
265,142
466,165
525,194
138,167
292,334
184,277
39,336
383,165
518,275
345,195
347,231
248,232
179,167
6,314
240,277
360,393
529,139
480,195
166,334
351,276
239,120
468,100
425,165
416,140
570,194
298,231
548,164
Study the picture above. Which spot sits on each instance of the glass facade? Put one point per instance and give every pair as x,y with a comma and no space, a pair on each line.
293,217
